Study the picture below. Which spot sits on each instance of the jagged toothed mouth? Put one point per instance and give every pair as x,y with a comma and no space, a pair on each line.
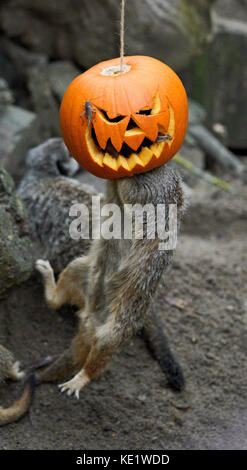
127,159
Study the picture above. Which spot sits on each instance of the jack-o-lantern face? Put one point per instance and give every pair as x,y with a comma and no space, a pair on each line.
117,125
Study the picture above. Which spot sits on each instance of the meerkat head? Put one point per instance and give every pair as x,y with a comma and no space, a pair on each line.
51,158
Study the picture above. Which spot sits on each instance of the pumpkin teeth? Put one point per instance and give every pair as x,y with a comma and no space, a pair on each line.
146,155
141,160
171,128
98,159
97,155
110,162
105,159
134,161
122,162
157,148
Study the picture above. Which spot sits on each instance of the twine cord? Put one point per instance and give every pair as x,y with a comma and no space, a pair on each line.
122,35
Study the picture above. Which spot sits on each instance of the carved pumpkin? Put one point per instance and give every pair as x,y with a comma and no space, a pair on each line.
119,124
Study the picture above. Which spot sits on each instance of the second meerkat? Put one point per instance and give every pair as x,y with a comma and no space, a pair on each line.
10,369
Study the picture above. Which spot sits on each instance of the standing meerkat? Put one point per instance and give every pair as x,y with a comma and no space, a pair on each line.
48,191
112,282
113,285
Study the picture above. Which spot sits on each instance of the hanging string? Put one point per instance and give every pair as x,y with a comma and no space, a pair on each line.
122,35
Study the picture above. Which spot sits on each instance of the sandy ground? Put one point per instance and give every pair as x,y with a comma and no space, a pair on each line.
131,405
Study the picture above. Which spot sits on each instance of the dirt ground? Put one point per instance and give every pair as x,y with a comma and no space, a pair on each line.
131,405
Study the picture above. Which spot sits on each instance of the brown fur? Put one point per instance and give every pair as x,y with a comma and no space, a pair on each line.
9,369
20,407
113,286
47,191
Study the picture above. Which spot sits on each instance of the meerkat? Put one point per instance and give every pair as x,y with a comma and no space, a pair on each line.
112,283
10,369
48,191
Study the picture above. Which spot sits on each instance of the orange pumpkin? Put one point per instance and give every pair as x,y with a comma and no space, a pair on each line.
119,124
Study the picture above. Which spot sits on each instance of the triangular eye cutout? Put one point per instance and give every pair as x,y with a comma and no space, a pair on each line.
106,130
155,109
149,118
145,111
112,120
149,124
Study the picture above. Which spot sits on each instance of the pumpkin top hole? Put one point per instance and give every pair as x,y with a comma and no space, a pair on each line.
115,70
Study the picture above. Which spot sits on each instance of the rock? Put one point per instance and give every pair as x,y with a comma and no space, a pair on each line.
44,102
218,77
228,54
46,83
236,9
6,97
197,114
215,149
32,70
16,259
19,60
200,144
60,75
17,134
87,32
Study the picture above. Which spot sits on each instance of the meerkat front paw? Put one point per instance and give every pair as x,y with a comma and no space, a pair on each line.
44,267
75,385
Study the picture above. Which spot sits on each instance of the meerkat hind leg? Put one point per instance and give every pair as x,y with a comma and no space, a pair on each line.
104,346
70,362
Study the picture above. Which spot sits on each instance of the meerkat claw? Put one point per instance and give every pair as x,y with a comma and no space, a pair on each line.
74,385
64,388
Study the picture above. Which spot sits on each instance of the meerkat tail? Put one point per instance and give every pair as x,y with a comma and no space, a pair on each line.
158,345
58,370
39,363
21,406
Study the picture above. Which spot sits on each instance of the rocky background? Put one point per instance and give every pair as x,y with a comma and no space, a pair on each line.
43,46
